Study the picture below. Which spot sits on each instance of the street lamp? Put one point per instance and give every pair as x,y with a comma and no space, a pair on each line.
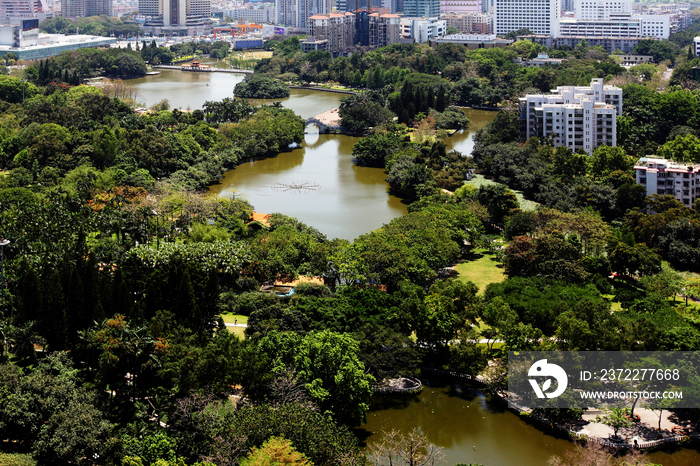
3,242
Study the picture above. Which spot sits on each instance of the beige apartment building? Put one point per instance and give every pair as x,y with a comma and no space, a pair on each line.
474,23
337,28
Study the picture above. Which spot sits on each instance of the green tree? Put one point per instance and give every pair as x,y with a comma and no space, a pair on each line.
617,418
450,306
257,86
328,365
682,149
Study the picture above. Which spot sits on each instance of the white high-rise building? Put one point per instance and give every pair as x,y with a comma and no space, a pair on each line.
296,13
618,25
658,26
600,9
539,16
422,29
583,117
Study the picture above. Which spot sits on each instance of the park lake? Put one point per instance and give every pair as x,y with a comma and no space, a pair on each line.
352,200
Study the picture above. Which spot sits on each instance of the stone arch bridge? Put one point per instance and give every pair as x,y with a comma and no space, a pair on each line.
327,121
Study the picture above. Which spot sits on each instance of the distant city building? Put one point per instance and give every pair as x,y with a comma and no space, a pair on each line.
361,28
662,176
460,6
619,25
474,23
472,41
12,11
630,59
421,8
310,44
384,29
609,44
540,17
422,29
83,8
184,16
337,28
539,62
575,117
251,13
296,13
27,43
600,9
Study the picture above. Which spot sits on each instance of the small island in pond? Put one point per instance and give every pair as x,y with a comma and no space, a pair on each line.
261,87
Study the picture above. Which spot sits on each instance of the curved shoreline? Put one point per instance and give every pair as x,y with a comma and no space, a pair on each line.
546,424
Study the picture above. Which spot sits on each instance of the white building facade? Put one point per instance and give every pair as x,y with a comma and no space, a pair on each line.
422,29
539,16
600,9
619,25
582,117
662,176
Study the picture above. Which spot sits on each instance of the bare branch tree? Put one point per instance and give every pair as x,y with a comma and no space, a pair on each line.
414,449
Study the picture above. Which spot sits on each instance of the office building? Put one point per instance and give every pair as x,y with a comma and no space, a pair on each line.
337,28
600,9
83,8
575,117
362,28
658,26
183,16
460,6
251,13
609,44
540,17
422,29
384,29
472,41
421,8
661,176
621,25
13,11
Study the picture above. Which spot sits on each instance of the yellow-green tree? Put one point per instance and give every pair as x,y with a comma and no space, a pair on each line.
277,451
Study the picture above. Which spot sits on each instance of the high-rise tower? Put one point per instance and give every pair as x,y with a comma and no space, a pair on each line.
421,8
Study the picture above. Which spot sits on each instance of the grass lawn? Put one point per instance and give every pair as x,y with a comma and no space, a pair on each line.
478,180
239,331
231,318
253,55
481,268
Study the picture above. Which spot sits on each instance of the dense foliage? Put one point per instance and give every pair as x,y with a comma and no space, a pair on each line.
122,274
261,87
